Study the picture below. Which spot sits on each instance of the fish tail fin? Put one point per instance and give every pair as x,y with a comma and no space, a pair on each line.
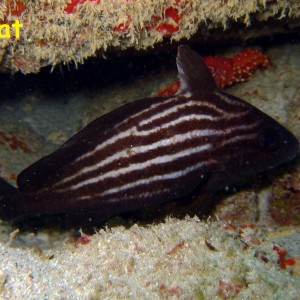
8,200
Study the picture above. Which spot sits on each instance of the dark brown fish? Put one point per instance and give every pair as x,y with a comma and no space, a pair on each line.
153,151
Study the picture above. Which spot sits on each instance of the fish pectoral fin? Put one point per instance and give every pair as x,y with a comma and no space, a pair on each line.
195,207
191,205
195,77
9,200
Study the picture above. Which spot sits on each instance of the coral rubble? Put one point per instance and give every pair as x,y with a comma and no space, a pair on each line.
185,259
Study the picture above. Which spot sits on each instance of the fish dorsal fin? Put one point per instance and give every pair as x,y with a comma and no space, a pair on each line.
195,77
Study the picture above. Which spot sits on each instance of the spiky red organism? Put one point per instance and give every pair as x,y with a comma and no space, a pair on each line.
228,71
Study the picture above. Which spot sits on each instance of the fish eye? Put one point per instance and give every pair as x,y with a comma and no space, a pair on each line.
269,139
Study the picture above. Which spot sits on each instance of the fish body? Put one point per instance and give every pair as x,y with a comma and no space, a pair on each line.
153,151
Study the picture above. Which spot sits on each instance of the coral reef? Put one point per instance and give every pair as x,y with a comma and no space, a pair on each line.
68,31
177,259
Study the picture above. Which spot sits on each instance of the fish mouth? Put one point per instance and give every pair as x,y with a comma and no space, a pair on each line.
293,147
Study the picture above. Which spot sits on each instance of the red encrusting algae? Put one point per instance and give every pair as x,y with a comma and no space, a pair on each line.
248,235
169,292
123,26
170,25
13,142
12,8
228,289
72,7
170,90
177,248
83,240
167,25
17,8
282,260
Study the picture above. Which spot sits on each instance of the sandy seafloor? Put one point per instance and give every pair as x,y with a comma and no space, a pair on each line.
175,259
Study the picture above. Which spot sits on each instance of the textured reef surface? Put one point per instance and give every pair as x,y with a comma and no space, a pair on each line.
178,259
68,32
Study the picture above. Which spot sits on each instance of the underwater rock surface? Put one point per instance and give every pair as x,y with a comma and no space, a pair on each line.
178,259
68,32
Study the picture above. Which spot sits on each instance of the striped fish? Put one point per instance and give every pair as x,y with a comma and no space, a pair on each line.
153,151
